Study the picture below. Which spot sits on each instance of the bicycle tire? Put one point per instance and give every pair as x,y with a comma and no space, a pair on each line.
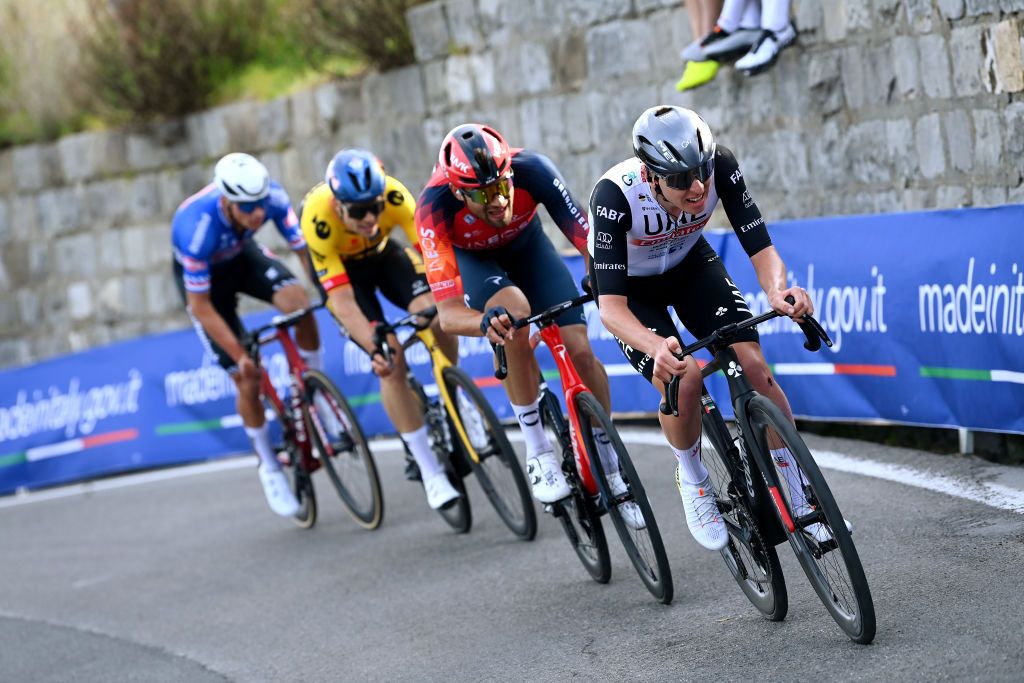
352,464
643,546
849,601
302,485
459,514
753,563
498,470
578,515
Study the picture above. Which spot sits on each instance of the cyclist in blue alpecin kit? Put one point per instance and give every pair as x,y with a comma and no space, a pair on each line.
216,259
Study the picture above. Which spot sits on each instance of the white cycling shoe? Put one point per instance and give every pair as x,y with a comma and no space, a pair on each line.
702,514
766,50
278,492
547,481
629,511
440,492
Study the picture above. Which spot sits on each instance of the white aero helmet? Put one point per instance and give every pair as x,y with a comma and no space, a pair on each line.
242,178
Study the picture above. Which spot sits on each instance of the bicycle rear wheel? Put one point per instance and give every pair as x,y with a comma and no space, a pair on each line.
826,552
643,546
342,449
497,468
752,562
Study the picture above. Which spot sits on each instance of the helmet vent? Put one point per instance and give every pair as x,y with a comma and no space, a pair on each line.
663,110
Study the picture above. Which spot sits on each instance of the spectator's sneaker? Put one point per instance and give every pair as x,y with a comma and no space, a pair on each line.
766,50
279,494
724,46
440,492
693,52
697,73
546,478
629,510
702,514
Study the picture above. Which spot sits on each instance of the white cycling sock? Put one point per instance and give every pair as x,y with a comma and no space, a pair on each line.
532,428
733,13
314,359
691,469
751,15
609,458
419,445
260,437
774,14
787,467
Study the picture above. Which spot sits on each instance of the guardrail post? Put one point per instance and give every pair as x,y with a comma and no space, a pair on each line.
966,440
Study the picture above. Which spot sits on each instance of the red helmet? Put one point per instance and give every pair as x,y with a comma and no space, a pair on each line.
473,155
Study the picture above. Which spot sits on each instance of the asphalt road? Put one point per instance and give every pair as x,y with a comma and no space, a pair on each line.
193,579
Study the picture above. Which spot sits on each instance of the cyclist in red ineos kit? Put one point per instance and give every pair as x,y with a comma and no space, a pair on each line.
648,254
489,262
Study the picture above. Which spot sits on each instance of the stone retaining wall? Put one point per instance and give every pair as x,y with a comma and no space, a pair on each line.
881,105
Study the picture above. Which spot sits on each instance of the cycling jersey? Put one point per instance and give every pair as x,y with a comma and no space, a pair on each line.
202,235
332,243
634,236
445,224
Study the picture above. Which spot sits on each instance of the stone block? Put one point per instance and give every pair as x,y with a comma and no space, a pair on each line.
428,29
79,156
905,64
405,86
880,75
6,233
825,82
157,246
1004,69
109,255
121,297
79,300
77,255
459,80
965,45
303,114
834,21
989,196
170,192
29,160
58,212
618,50
950,197
29,309
463,26
988,140
865,157
859,13
979,7
570,64
899,135
614,113
588,12
579,122
643,6
145,198
5,279
930,148
133,247
38,263
534,69
791,159
14,352
959,140
808,16
481,69
159,144
350,103
935,67
921,15
325,103
951,9
854,79
529,124
435,85
208,134
1014,116
23,217
1011,6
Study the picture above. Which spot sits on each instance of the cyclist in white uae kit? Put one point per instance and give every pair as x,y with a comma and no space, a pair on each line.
648,253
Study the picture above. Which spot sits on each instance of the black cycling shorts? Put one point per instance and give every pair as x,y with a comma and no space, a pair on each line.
702,294
398,274
256,272
528,262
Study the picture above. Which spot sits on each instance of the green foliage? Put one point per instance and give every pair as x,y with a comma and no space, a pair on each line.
374,30
151,58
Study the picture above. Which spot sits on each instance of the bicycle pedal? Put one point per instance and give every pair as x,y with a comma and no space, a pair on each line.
549,508
412,472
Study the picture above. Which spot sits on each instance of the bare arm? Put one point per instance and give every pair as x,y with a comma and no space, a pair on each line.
214,325
459,319
621,322
342,302
771,274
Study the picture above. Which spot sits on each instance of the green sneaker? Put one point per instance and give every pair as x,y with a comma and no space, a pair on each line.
697,74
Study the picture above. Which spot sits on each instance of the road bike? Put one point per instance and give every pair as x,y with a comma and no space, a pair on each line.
591,496
464,432
318,430
766,499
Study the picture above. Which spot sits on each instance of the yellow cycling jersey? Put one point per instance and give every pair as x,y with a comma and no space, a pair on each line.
331,243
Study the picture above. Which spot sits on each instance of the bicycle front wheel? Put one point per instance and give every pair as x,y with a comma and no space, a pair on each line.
639,534
342,450
751,561
819,536
497,467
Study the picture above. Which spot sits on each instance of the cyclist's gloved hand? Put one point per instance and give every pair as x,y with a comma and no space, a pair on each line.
493,327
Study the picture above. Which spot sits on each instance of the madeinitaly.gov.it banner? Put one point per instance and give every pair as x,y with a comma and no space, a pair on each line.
926,311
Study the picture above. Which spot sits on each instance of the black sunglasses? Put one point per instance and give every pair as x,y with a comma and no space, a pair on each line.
357,211
683,181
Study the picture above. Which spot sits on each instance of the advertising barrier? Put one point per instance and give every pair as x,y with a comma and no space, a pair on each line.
926,311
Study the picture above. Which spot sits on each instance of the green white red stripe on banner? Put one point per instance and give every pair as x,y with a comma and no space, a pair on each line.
68,447
973,374
833,369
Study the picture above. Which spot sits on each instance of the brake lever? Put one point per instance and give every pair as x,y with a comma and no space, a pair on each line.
502,370
670,406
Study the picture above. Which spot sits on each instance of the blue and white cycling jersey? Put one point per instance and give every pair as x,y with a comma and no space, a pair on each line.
202,234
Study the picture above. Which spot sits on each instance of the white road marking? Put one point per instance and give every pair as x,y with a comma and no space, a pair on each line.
991,494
